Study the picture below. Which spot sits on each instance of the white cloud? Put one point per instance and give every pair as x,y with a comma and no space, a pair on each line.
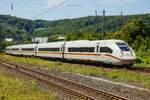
54,2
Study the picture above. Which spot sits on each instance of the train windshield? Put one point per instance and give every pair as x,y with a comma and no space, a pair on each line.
123,46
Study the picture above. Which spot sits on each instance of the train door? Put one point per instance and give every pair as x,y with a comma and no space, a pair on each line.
103,53
36,50
100,56
63,50
98,52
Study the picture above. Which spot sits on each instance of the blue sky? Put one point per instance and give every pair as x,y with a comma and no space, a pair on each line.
30,8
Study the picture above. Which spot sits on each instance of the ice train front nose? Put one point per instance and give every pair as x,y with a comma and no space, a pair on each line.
127,54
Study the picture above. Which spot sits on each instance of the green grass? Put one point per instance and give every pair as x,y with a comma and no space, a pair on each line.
144,62
16,89
119,75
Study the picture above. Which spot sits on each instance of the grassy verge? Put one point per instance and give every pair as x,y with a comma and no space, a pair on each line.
145,62
15,89
120,75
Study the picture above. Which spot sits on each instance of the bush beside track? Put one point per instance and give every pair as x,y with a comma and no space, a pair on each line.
119,75
145,61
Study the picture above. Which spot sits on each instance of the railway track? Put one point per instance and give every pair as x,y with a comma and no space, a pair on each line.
139,69
77,90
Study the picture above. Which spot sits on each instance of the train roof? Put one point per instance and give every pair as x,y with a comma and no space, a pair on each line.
60,42
28,45
95,41
52,44
87,43
111,40
81,42
21,46
15,46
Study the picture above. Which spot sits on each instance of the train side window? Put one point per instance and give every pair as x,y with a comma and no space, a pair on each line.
8,49
105,50
81,49
15,49
97,48
123,46
49,49
27,49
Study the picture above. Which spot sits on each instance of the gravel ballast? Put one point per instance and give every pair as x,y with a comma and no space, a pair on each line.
125,90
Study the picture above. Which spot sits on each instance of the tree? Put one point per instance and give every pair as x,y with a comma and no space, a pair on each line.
137,34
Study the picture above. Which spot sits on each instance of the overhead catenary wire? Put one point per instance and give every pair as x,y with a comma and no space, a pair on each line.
13,10
50,9
122,5
71,5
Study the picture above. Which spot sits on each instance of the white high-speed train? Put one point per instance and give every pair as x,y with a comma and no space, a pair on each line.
113,52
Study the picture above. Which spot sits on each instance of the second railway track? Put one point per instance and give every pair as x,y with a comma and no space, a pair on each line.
139,69
75,89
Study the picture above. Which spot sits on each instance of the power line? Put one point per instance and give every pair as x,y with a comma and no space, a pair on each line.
72,5
103,25
96,10
25,3
102,34
50,9
122,5
12,8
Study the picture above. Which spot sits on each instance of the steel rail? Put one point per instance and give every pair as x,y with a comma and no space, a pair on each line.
47,77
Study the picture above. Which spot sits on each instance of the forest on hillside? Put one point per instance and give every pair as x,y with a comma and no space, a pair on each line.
134,29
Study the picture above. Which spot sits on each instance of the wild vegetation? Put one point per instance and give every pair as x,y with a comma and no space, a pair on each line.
119,75
134,29
12,88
